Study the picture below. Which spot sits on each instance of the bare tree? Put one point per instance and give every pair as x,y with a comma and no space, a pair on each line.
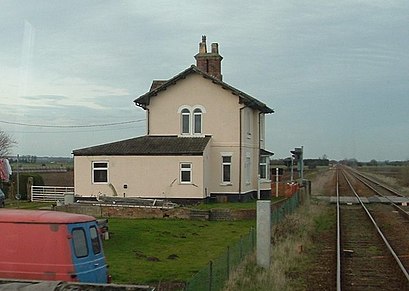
6,144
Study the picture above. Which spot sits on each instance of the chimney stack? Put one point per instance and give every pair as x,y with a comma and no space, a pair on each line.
209,63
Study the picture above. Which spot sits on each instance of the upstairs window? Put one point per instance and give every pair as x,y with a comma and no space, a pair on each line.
226,169
185,121
99,172
191,119
197,115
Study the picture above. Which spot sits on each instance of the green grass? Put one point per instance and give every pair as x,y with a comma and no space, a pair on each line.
373,251
311,174
289,266
24,204
323,222
134,243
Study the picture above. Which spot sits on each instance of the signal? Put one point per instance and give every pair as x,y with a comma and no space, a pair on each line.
297,155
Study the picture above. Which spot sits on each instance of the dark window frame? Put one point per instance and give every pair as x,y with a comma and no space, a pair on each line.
185,121
184,170
226,169
100,172
263,167
95,242
198,121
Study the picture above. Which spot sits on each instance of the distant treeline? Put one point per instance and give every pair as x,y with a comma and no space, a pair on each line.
312,163
356,163
309,163
29,159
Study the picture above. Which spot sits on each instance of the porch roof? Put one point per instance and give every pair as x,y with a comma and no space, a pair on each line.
149,146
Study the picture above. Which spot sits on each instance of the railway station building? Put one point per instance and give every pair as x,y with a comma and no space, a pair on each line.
204,139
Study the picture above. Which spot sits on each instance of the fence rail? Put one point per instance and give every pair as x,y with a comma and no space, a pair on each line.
214,276
49,193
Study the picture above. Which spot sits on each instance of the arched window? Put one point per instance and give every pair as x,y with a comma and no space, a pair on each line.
197,119
185,121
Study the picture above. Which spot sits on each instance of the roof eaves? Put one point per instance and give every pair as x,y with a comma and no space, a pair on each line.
143,100
264,152
149,146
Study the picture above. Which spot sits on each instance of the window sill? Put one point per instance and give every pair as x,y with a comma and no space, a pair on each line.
226,184
192,135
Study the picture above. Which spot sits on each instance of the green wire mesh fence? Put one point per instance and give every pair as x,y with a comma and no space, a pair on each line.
214,276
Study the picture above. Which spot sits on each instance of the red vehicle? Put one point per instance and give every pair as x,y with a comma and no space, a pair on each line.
50,245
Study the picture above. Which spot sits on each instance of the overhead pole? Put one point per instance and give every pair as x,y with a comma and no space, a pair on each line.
302,164
292,169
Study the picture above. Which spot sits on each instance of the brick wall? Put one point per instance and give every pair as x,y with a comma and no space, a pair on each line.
179,213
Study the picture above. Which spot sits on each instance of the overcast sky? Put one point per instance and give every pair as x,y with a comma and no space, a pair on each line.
336,72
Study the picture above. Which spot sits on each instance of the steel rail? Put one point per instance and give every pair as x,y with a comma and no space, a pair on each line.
338,237
393,191
392,252
400,209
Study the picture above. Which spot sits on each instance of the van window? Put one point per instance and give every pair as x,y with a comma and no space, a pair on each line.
80,242
96,247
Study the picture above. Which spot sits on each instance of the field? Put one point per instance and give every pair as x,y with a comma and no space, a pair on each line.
149,250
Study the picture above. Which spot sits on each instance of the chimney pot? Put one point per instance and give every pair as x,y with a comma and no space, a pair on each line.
215,48
202,45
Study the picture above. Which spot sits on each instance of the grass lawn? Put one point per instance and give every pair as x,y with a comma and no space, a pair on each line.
145,251
149,250
24,204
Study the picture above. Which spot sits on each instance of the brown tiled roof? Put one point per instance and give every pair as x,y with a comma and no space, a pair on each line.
156,84
246,99
264,152
149,146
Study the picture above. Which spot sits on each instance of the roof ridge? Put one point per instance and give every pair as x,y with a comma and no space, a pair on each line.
144,100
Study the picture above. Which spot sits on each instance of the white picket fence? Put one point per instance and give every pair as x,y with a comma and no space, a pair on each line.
50,193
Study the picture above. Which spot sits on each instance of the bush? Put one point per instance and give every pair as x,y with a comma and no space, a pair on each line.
404,176
23,179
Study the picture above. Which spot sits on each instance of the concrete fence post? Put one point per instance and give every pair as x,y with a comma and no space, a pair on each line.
263,233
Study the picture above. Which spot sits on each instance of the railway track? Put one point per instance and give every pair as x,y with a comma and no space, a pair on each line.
372,252
381,190
376,186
